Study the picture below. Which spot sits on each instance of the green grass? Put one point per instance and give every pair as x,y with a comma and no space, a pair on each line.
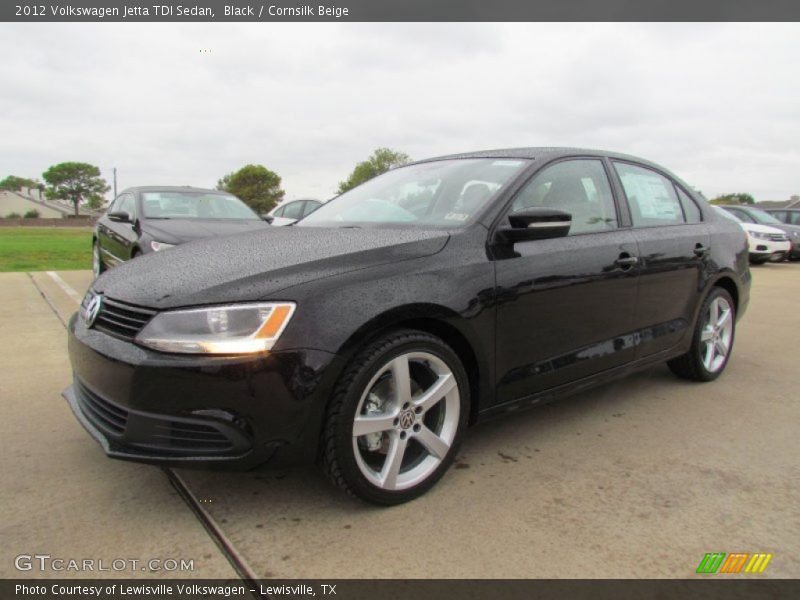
45,248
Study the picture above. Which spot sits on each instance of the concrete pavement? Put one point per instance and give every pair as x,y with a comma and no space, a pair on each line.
58,495
639,478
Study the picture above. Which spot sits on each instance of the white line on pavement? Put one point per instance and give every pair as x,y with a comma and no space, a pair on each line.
65,286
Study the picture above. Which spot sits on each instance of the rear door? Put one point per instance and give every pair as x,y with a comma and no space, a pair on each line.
565,306
673,244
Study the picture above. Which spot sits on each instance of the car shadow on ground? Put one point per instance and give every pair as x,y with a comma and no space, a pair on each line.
506,438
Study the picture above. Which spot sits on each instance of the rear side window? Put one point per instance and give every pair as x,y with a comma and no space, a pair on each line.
651,196
779,214
794,217
579,187
690,209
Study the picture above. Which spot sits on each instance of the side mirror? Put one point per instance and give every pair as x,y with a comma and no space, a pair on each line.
119,216
535,224
268,218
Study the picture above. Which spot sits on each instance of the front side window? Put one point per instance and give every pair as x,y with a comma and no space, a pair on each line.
293,210
763,217
194,205
579,187
651,196
127,204
781,215
743,216
438,194
310,207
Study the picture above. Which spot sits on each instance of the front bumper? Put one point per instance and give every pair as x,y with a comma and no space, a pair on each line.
152,407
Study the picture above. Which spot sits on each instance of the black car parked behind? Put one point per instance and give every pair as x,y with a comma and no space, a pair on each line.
369,335
149,219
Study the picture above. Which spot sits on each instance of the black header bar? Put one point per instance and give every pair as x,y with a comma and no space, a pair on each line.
398,10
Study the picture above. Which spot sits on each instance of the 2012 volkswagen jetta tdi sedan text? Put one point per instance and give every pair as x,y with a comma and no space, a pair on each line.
369,335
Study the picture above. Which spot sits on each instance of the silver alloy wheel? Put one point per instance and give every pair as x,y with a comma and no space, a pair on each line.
717,335
410,409
96,260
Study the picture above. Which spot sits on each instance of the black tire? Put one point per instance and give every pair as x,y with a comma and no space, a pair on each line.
758,261
338,454
691,365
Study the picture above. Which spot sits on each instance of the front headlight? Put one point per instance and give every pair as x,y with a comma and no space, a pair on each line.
758,235
232,329
156,246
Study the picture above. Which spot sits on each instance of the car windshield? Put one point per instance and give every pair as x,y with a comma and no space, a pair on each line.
763,217
443,193
194,205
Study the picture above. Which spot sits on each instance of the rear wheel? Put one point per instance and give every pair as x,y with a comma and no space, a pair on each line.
712,342
396,419
97,261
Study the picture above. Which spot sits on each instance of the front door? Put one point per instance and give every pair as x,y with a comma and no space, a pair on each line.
565,306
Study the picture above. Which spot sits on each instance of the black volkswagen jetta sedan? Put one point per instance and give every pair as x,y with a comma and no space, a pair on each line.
153,218
369,335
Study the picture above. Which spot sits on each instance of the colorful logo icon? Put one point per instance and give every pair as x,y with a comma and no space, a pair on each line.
719,562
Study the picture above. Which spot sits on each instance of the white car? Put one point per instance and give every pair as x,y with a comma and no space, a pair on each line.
765,242
291,212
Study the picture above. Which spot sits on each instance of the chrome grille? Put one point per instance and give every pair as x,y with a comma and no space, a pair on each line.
122,320
778,237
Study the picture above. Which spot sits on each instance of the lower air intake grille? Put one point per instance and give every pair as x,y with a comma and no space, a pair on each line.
108,417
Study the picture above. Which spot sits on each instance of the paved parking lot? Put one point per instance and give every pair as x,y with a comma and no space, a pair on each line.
639,478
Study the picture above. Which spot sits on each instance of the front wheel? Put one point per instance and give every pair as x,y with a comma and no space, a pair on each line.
712,342
396,419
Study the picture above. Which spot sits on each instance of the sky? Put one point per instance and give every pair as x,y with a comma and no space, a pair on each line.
184,104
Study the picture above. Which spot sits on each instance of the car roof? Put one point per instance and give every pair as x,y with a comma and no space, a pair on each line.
543,153
171,188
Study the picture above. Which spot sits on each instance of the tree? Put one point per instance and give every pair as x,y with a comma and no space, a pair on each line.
14,183
76,182
224,182
381,161
734,199
255,185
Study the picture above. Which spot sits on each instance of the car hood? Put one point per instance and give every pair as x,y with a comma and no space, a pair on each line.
259,264
760,228
178,231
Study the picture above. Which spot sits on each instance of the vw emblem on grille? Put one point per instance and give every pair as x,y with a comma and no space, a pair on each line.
407,419
93,309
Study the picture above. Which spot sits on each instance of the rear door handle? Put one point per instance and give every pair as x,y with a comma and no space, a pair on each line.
626,261
700,250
